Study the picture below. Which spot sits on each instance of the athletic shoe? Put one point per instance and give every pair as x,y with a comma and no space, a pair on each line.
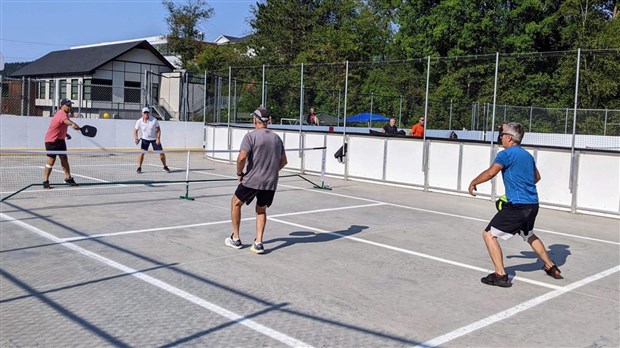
139,170
257,248
71,182
166,169
46,185
553,272
497,280
233,243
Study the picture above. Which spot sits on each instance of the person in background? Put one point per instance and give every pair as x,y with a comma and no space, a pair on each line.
151,135
263,152
313,119
417,130
55,141
391,128
518,215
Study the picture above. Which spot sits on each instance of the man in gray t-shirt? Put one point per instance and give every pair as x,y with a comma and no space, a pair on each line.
263,152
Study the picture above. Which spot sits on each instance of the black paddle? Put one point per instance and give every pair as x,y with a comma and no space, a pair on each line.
88,131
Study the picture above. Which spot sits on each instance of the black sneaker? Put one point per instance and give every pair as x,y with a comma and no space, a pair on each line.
71,182
553,272
166,169
257,248
139,170
46,185
233,243
497,280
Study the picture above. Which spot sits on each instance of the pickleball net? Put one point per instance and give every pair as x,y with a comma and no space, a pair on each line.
108,172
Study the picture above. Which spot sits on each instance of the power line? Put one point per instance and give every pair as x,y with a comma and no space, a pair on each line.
35,43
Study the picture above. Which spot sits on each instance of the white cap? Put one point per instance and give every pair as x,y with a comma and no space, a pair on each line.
146,109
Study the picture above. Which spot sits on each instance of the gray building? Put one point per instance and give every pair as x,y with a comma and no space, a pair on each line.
107,81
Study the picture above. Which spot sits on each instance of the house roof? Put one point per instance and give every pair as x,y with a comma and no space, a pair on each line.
222,39
82,61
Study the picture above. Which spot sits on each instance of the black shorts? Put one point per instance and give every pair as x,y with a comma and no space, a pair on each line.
246,195
58,145
514,219
145,145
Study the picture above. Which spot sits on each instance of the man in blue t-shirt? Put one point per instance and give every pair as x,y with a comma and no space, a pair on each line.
519,213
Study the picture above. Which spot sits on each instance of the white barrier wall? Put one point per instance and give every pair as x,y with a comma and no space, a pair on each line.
23,132
452,164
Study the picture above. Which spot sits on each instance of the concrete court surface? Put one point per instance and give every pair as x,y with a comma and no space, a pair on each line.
364,265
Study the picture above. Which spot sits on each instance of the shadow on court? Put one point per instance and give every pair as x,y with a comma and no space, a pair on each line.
177,268
312,237
557,252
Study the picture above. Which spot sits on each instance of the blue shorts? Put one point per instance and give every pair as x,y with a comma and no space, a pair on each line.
144,145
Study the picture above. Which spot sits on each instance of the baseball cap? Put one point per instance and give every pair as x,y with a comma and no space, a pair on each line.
146,109
261,114
65,101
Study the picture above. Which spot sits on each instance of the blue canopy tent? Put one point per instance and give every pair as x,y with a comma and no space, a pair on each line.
366,117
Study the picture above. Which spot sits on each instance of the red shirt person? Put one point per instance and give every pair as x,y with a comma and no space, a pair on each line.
418,129
55,141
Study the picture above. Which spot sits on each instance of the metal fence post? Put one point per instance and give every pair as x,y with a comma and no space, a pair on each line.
263,90
228,122
425,143
572,150
400,112
22,97
344,122
301,111
531,111
605,125
492,147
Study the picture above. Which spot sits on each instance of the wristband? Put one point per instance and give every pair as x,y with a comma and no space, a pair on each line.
240,174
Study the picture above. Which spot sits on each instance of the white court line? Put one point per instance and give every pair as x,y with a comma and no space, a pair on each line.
289,341
73,239
477,219
426,256
514,310
424,210
448,214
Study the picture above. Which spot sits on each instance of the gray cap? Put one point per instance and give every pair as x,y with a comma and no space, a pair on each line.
261,114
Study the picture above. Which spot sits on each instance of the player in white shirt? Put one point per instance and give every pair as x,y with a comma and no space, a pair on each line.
151,134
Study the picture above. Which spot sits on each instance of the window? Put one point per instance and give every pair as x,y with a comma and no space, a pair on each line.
132,92
87,95
101,90
63,89
41,88
52,90
74,89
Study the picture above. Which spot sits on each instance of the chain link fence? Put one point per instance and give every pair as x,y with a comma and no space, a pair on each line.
549,93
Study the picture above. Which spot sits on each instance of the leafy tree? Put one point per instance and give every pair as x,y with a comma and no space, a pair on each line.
184,38
387,41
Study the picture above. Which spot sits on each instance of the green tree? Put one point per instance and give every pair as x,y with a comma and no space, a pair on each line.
184,38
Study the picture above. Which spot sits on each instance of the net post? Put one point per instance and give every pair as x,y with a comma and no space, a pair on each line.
186,196
324,185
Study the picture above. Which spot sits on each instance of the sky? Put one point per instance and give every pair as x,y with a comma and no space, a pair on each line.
29,29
